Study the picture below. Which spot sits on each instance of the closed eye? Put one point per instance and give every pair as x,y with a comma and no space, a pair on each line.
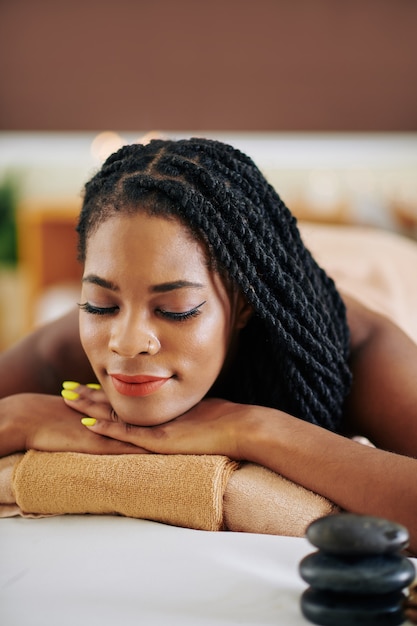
97,310
183,315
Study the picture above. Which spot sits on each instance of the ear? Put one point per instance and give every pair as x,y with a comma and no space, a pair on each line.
244,312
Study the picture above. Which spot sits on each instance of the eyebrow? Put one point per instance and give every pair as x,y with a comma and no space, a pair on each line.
161,288
176,284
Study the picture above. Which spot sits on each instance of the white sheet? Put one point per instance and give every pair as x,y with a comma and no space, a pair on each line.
114,571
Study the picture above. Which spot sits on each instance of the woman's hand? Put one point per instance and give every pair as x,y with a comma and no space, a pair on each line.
213,426
44,422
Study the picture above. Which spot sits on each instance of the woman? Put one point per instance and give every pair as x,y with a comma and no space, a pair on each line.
211,330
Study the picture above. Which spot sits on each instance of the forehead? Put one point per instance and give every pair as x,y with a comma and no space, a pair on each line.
143,240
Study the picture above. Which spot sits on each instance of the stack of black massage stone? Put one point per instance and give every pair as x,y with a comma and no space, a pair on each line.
357,576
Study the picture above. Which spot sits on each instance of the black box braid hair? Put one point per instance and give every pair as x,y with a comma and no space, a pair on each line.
293,353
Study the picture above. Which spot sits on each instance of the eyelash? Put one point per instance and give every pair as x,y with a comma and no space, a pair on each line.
95,310
185,315
176,317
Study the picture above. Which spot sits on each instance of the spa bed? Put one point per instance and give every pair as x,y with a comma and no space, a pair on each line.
108,569
103,570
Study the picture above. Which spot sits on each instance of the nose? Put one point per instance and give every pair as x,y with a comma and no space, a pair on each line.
130,337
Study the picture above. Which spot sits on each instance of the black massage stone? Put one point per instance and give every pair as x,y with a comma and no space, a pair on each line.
376,574
357,575
331,609
350,534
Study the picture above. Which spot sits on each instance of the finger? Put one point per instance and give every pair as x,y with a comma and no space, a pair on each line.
93,443
90,402
100,411
98,443
105,445
141,436
74,390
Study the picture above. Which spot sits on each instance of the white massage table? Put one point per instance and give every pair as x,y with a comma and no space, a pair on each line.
107,571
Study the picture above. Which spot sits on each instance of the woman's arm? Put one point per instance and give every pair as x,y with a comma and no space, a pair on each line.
30,421
44,358
358,478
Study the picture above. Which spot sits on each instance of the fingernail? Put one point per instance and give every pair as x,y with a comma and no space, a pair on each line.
93,386
70,384
88,421
69,395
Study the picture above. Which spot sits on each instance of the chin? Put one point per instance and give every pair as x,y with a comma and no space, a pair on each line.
141,415
144,421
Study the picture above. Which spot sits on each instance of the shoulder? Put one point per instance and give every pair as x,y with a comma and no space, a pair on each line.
375,339
43,359
383,360
369,327
60,349
362,321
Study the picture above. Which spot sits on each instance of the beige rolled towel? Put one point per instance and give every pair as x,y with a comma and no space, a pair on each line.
174,489
201,492
258,500
8,506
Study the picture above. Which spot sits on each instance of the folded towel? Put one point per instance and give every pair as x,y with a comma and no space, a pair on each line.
8,506
175,489
258,500
201,492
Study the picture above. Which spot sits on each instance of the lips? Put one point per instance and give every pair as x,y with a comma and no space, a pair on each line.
137,386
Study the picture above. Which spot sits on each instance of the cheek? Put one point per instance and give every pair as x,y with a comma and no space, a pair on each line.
92,339
209,344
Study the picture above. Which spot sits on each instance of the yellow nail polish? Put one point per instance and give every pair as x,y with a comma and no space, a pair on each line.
70,384
93,386
88,421
69,395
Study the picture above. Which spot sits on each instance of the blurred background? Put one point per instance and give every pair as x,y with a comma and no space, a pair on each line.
321,93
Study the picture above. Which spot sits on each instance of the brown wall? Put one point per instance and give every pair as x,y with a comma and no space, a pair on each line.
237,65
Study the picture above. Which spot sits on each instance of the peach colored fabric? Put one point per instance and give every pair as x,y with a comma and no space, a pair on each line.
377,267
258,500
201,492
175,489
8,506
